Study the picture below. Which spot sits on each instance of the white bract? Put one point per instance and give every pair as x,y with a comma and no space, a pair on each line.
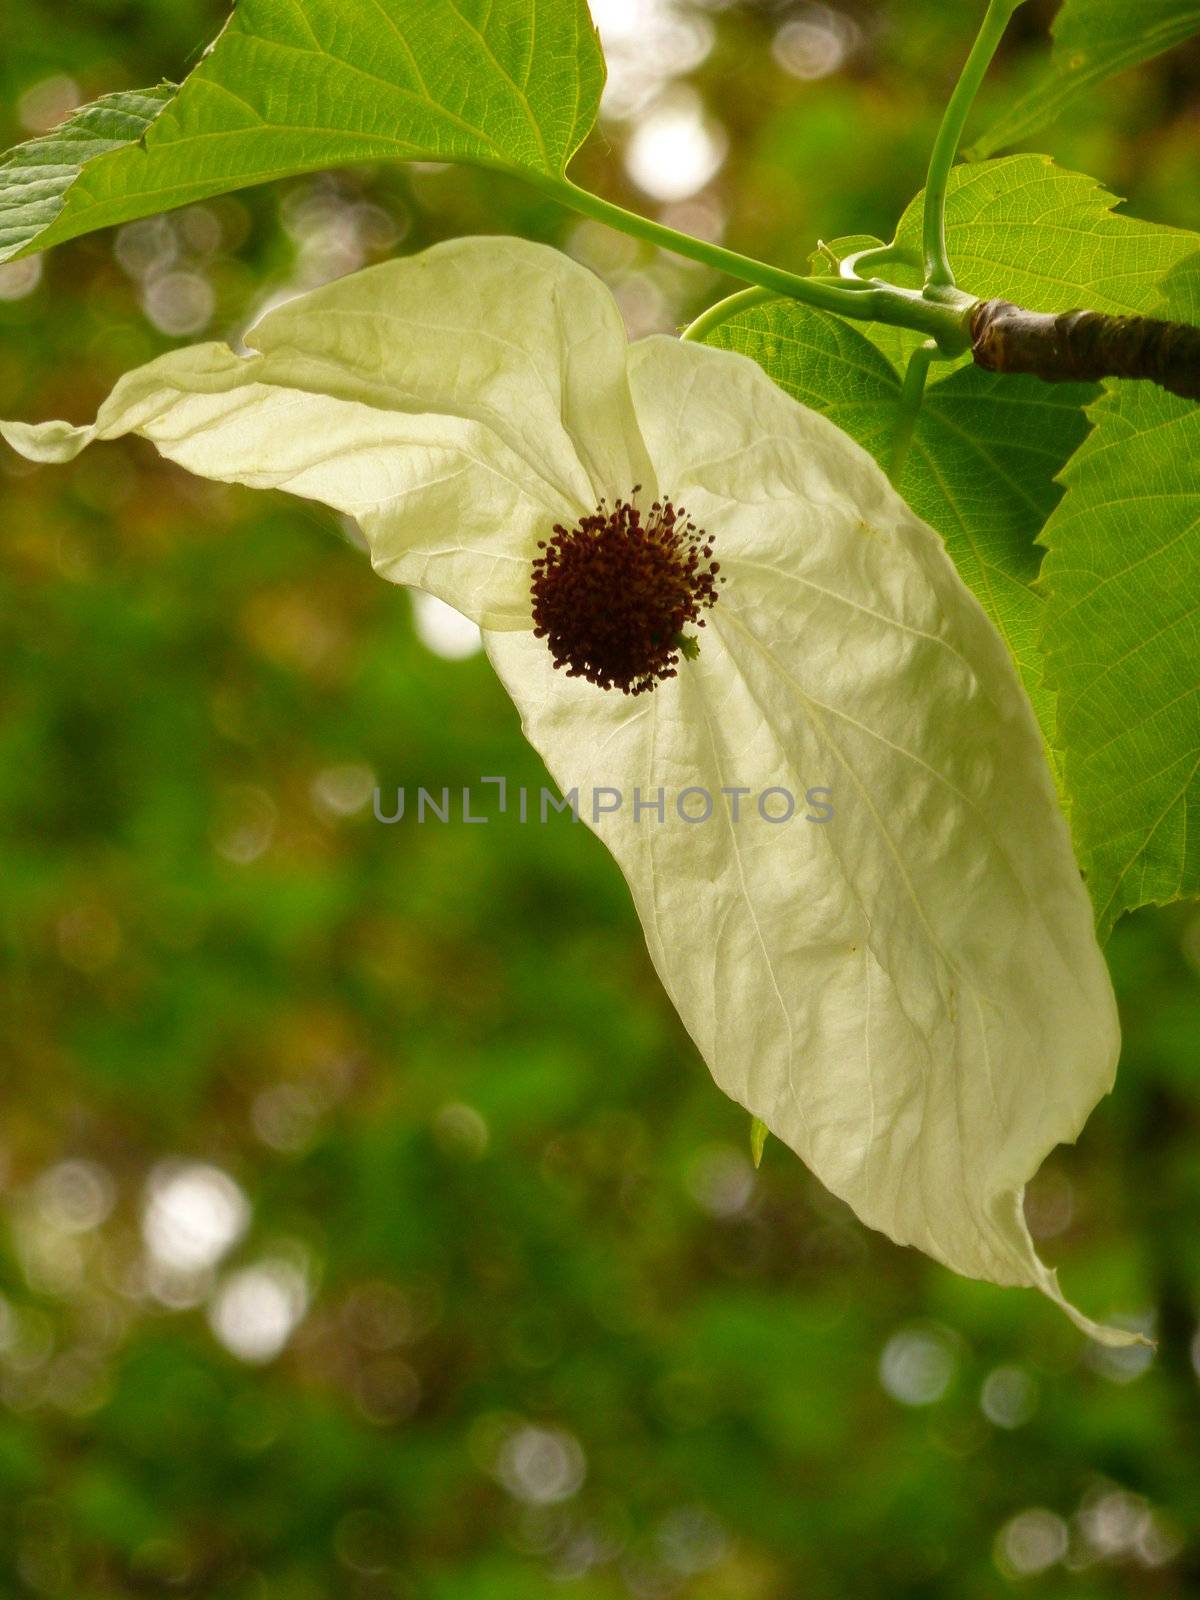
909,995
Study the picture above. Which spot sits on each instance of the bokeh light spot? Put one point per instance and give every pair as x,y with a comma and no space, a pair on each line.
75,1196
721,1180
179,303
256,1309
541,1466
675,148
20,278
444,631
192,1216
48,102
343,790
1009,1397
1031,1542
461,1131
917,1365
814,43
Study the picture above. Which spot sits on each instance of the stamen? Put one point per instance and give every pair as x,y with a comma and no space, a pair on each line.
612,595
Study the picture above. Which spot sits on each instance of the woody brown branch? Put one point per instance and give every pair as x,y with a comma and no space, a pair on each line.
1085,346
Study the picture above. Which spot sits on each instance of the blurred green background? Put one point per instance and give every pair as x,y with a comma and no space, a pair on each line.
368,1225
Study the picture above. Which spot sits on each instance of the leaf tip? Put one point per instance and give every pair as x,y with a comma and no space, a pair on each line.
759,1133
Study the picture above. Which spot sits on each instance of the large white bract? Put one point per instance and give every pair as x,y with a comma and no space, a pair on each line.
911,995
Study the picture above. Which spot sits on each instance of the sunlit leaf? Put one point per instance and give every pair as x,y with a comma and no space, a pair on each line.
1093,40
35,177
298,85
1025,230
1122,640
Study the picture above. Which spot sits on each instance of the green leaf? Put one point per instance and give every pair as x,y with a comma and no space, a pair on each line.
299,85
1023,229
1122,641
981,470
982,463
35,177
822,361
1093,40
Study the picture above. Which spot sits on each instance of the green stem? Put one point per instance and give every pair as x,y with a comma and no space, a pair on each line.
826,295
911,395
938,273
724,309
945,321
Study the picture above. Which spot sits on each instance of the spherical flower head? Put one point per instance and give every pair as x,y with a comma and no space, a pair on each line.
613,594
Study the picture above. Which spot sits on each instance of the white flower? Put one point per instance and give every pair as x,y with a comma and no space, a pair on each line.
909,995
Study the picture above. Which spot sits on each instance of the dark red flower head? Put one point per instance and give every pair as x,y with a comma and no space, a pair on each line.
612,595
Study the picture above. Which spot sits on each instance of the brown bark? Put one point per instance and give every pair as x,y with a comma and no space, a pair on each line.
1085,346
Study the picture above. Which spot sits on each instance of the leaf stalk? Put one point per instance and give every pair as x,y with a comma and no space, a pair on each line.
945,320
911,395
938,272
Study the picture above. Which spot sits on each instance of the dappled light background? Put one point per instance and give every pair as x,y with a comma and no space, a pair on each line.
368,1226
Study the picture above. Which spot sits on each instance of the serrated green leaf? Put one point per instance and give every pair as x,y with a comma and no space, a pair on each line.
299,85
1093,40
981,470
982,463
823,362
1122,640
35,177
1025,230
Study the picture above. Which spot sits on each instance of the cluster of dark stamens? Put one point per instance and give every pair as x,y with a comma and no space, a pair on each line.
612,595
